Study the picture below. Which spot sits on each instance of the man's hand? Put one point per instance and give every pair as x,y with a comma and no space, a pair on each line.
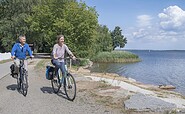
32,57
13,57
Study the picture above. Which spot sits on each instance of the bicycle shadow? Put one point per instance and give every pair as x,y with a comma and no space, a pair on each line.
12,87
49,90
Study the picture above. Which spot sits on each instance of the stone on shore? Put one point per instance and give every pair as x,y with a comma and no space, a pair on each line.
141,102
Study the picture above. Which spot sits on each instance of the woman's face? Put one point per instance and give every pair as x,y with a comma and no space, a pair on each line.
61,40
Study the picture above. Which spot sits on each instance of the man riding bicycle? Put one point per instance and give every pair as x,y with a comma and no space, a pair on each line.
59,52
18,52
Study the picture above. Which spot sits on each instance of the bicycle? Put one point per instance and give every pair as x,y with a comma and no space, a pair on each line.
67,81
22,78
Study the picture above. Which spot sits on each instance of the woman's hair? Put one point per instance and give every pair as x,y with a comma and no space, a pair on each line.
58,37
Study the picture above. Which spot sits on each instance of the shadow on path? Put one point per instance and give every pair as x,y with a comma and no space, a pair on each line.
49,90
12,87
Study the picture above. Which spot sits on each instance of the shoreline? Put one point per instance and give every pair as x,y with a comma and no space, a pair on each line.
126,95
134,88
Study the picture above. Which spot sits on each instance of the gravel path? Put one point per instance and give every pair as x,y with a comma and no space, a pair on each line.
5,69
42,100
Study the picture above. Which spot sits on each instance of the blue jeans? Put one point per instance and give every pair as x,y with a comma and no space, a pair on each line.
59,65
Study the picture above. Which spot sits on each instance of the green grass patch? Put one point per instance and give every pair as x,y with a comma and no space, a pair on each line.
4,61
83,62
116,56
79,62
42,64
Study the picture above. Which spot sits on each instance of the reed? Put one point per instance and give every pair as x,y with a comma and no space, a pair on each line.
116,56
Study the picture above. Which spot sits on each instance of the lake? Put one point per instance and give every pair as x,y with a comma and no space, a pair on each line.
156,67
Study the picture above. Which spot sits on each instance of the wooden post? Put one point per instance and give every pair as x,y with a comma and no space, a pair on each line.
70,63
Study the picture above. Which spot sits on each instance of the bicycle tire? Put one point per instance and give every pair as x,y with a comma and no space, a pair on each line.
18,83
24,83
55,84
70,87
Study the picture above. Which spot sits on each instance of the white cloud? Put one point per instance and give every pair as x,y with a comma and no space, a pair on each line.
141,33
168,33
172,19
144,20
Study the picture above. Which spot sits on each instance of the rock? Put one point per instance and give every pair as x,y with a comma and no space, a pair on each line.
82,78
82,70
131,79
89,65
141,102
167,87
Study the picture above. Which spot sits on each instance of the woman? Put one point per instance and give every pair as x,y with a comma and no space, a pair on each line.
59,50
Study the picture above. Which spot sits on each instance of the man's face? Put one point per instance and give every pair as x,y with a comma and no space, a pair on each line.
22,40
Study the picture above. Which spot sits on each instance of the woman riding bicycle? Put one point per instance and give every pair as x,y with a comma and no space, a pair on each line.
59,50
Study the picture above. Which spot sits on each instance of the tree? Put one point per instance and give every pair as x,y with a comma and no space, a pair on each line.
12,24
76,21
104,40
117,38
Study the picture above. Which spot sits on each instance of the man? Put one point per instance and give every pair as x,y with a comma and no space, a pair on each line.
18,52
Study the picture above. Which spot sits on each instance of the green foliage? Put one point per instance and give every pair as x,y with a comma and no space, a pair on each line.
103,41
117,38
42,20
83,62
116,56
76,21
12,24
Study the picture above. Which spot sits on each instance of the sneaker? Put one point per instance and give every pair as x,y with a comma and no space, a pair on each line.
55,78
14,75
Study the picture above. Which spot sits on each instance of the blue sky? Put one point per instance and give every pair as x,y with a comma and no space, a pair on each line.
147,24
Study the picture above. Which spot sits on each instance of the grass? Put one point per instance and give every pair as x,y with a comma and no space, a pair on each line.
83,62
103,84
116,56
4,61
42,64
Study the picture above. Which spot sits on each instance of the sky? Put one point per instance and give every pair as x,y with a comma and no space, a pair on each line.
147,24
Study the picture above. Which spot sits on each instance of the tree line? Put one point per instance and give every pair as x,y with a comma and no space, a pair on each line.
42,20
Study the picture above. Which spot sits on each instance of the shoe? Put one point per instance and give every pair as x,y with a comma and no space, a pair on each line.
14,75
55,78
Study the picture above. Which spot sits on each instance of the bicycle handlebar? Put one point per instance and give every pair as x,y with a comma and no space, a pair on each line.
65,58
26,58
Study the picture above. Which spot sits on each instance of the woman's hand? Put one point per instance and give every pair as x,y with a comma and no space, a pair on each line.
55,57
74,58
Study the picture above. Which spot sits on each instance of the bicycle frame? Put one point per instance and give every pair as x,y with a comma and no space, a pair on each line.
21,67
22,78
66,80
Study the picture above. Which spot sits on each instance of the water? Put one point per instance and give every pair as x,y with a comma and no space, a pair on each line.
156,67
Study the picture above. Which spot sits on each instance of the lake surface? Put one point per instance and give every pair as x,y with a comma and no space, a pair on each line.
156,67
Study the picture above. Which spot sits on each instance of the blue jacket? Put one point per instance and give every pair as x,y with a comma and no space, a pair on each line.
20,52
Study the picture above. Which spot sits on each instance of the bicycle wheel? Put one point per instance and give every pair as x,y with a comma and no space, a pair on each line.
70,87
55,82
18,82
24,83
